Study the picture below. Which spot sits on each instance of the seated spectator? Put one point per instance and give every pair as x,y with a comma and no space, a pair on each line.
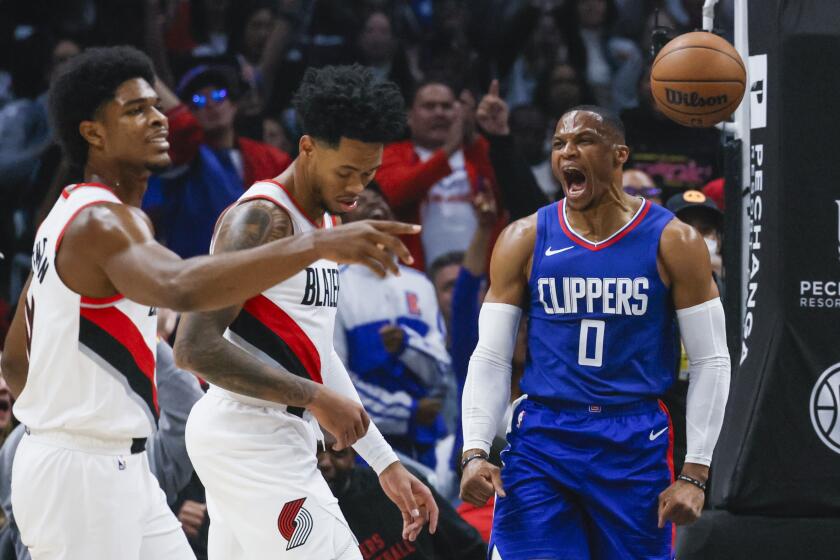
388,334
178,391
432,177
376,521
511,154
701,212
380,50
639,183
613,64
676,157
212,166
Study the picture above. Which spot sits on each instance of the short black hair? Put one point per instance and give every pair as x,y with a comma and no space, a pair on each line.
610,117
84,84
446,259
336,102
432,81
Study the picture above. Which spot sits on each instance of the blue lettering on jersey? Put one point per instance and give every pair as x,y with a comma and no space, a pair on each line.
602,327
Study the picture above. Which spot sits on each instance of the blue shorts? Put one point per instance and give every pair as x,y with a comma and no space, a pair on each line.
583,483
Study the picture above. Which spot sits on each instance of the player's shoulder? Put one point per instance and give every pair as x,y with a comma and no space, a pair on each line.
678,235
106,219
681,245
519,233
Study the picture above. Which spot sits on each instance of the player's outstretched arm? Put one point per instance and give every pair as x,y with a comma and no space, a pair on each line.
200,346
112,249
412,497
15,361
487,389
685,265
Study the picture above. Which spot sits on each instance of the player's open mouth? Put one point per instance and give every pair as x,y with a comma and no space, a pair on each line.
575,181
348,204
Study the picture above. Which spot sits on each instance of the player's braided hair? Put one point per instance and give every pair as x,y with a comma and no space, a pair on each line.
86,82
337,102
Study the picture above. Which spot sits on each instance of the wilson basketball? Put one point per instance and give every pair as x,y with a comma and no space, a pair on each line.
698,79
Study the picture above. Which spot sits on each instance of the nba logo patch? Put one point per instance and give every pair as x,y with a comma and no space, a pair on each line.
594,408
520,418
413,303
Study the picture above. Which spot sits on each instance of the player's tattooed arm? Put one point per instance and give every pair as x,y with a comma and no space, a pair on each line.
200,346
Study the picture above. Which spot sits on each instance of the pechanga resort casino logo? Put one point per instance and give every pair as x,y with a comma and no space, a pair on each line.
825,407
694,99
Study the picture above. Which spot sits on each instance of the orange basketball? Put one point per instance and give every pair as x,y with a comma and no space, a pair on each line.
698,79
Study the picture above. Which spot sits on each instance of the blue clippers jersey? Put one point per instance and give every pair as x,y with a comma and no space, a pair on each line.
601,322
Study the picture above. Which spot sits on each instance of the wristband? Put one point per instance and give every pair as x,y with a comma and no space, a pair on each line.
694,481
469,458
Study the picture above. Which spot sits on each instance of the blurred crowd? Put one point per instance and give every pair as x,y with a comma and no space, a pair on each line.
484,83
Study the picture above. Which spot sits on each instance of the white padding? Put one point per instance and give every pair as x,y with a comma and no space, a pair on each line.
703,331
487,389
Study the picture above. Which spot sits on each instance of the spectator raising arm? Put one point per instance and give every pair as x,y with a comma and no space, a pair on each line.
521,195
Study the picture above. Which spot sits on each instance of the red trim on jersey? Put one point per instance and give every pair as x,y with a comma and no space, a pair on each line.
670,459
284,326
597,247
295,203
70,188
70,221
101,301
123,330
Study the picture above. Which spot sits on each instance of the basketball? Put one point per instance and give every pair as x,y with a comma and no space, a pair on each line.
698,79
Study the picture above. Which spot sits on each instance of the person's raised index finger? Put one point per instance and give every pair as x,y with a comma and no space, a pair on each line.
395,228
494,88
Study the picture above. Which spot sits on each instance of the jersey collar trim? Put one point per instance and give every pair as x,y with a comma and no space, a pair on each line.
324,220
612,239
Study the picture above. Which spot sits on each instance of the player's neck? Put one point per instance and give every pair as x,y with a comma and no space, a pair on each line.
128,184
302,189
604,216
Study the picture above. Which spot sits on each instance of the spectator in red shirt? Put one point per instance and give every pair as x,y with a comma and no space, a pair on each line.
433,177
212,166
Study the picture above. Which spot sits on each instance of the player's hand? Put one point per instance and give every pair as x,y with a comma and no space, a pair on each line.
492,113
373,243
191,515
427,411
680,503
414,499
480,481
344,418
392,337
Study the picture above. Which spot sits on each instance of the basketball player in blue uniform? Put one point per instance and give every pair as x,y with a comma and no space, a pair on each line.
605,277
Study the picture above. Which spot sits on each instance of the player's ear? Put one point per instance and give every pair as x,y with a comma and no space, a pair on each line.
621,153
306,145
93,132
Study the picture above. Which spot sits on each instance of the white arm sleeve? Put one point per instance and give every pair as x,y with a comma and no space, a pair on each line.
487,389
703,332
372,447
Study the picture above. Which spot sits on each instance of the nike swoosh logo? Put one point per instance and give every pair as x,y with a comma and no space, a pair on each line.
549,252
653,436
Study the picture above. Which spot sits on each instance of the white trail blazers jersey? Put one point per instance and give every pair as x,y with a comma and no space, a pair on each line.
290,325
91,361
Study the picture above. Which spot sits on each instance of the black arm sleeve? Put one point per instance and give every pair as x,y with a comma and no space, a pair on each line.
521,195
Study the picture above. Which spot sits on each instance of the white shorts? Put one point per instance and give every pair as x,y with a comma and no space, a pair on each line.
266,497
76,497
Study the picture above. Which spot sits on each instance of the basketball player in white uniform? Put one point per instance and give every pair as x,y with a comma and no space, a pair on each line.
252,439
80,353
